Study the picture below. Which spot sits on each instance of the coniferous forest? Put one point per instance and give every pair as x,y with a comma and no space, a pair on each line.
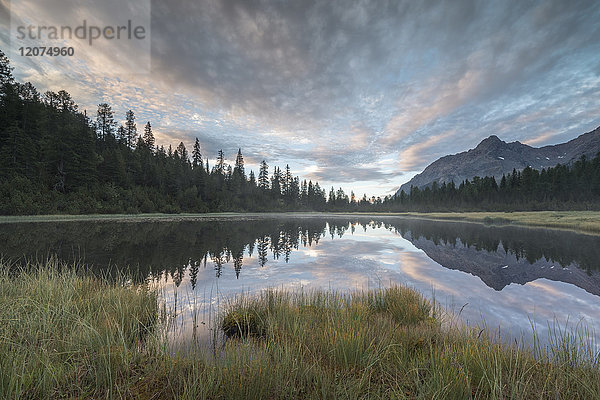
572,187
56,159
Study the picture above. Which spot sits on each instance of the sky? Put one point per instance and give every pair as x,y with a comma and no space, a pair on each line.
354,94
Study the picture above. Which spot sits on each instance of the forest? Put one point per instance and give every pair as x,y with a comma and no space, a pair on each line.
563,187
55,159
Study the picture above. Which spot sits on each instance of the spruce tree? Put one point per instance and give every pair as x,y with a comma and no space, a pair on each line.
196,155
263,176
149,137
130,129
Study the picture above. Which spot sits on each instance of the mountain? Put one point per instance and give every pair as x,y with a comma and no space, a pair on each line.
498,269
505,255
494,157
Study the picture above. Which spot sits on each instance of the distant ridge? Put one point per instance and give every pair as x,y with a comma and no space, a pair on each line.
494,157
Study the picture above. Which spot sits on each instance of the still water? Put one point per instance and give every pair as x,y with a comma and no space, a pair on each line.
509,278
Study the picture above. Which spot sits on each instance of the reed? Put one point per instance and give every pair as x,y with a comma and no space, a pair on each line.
65,334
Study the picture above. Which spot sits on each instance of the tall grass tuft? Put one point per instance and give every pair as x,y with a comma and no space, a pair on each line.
64,333
387,343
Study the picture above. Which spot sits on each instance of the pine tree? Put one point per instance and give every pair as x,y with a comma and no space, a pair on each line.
341,197
50,99
6,76
239,164
294,190
196,155
276,183
287,182
332,199
130,129
311,198
65,103
183,153
149,136
220,167
28,93
105,122
304,193
122,135
263,176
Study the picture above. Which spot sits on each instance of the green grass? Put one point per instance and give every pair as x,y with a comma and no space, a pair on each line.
584,221
64,334
67,335
387,344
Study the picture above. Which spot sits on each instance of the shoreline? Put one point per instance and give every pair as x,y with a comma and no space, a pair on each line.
101,338
586,222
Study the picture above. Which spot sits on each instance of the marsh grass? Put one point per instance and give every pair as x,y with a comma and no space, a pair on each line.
66,335
390,344
579,221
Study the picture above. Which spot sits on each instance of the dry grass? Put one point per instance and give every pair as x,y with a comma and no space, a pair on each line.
583,221
64,334
67,335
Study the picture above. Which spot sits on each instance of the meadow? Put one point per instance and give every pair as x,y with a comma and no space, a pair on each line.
68,334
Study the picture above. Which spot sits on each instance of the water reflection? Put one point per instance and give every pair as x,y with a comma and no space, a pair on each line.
516,277
500,256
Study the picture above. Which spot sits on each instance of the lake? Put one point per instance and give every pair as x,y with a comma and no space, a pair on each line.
512,279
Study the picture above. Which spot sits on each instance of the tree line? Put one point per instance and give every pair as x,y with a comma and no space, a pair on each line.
56,159
563,187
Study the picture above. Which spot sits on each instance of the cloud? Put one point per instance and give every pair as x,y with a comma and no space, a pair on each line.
344,85
414,155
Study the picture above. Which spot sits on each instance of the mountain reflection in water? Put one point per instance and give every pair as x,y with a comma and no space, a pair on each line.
535,275
499,256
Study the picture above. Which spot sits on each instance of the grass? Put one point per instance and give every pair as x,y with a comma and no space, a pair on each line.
67,335
583,221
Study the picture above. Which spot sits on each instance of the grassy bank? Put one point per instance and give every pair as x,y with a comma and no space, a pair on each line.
65,335
583,221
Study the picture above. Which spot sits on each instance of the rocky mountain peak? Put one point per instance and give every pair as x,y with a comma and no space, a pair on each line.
494,157
490,142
